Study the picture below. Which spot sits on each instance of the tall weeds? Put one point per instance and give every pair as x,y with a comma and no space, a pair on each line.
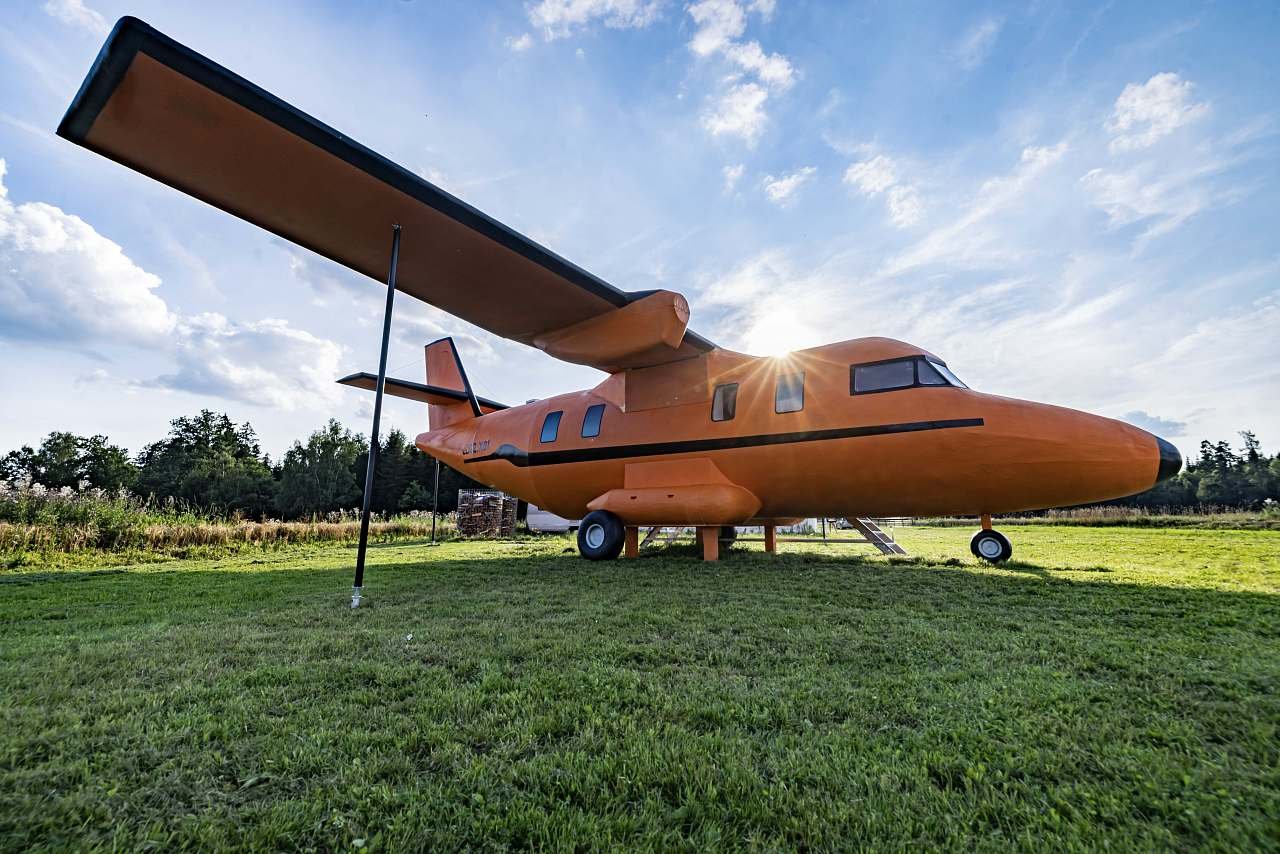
36,519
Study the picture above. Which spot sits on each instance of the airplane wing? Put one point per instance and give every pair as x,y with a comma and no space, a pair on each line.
168,112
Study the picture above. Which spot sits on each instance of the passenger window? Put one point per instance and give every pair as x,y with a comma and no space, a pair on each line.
928,374
551,426
789,394
724,404
884,376
591,421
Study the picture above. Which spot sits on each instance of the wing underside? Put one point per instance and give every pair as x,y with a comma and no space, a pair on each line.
176,116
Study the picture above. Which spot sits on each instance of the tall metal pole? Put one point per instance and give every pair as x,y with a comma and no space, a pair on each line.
358,585
435,503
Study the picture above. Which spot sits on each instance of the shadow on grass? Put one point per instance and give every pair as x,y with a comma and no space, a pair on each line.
482,685
70,575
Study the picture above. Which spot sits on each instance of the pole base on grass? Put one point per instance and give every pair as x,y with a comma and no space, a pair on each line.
355,597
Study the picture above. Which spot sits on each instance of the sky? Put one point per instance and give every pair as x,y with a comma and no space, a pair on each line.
1071,203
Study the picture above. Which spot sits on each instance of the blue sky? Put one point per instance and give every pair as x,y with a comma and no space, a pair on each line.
1073,203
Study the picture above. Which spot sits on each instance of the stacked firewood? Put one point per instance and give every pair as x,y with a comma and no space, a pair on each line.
486,513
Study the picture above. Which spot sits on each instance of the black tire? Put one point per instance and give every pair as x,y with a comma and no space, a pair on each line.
991,546
600,535
728,534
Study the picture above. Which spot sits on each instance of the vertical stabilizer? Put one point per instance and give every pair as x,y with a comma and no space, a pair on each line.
444,370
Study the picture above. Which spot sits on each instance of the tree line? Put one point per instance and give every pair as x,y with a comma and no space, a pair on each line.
211,464
1220,476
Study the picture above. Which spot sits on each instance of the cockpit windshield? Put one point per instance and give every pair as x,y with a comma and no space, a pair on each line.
893,374
946,372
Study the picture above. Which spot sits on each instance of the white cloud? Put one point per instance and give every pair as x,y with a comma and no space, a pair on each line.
968,240
879,175
1164,427
519,44
76,14
977,43
781,191
1145,113
739,112
872,176
561,18
905,207
764,7
327,279
732,174
774,70
719,22
1163,199
63,284
265,362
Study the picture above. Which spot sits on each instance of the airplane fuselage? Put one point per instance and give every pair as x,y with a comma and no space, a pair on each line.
802,440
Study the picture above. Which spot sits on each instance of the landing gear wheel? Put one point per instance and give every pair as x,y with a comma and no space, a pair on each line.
728,534
600,535
991,546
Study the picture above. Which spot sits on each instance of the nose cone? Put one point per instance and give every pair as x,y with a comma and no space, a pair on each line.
1170,460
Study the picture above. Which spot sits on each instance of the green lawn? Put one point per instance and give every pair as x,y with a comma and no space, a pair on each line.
1114,687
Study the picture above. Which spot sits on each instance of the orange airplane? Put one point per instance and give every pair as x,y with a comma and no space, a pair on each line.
681,432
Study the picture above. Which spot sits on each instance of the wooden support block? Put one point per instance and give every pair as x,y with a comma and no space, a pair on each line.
710,536
986,521
771,539
631,542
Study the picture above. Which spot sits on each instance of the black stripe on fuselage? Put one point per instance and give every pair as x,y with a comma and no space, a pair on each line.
523,459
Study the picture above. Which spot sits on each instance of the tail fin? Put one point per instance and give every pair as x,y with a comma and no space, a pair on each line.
444,370
448,393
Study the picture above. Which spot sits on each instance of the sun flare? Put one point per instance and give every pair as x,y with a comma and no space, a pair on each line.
778,332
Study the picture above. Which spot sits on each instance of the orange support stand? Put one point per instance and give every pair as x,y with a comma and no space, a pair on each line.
986,521
631,541
771,539
710,536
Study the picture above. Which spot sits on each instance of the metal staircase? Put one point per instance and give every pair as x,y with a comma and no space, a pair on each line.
871,532
878,537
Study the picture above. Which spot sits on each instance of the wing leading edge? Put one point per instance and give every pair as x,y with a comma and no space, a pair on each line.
170,113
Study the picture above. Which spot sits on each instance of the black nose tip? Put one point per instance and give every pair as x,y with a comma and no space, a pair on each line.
1170,460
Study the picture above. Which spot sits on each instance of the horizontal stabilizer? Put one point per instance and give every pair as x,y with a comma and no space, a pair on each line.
418,391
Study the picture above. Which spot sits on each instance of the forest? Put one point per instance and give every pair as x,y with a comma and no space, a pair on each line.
209,464
213,466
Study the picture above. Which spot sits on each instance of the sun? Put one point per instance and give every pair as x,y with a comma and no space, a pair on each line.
778,331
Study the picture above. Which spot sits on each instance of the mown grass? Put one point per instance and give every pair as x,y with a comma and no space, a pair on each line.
1111,688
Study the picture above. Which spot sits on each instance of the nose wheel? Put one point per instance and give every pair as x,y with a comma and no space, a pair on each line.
991,546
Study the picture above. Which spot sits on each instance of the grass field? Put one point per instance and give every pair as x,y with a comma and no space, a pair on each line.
1113,687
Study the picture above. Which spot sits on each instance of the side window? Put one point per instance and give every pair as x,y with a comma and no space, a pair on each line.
788,396
551,426
884,376
928,374
724,404
591,421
